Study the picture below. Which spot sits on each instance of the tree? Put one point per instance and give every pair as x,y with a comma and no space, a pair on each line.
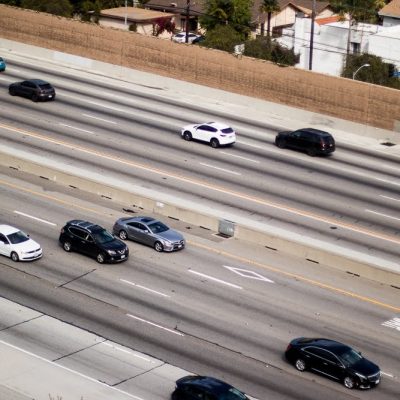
235,13
270,7
377,72
222,37
60,7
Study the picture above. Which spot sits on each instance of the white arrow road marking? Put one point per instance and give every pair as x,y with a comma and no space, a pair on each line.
248,274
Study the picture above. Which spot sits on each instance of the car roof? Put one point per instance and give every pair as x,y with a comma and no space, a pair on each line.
218,125
38,81
207,382
325,343
316,131
90,226
8,229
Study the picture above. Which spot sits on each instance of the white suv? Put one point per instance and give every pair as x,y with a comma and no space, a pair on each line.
214,133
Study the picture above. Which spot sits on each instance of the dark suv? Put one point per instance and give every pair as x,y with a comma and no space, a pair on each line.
34,89
94,241
312,141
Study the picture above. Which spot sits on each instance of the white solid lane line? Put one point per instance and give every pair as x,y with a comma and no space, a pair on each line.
389,198
54,364
100,119
156,325
388,181
35,218
382,215
243,158
126,351
249,144
220,169
144,288
77,129
215,279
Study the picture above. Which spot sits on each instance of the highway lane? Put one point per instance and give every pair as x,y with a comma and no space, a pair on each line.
349,198
218,307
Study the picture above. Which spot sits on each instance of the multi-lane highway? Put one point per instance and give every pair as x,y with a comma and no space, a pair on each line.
221,307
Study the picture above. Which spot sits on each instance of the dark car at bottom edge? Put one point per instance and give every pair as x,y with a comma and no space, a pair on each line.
334,360
194,387
94,241
310,140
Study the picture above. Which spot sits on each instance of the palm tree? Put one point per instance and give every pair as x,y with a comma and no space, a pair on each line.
270,7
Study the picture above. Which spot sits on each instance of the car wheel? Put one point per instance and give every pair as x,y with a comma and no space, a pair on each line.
214,143
100,258
300,365
280,143
123,235
158,247
67,246
312,152
187,136
35,98
14,256
349,382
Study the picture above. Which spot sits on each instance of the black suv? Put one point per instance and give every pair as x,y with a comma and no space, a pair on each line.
313,141
34,89
94,241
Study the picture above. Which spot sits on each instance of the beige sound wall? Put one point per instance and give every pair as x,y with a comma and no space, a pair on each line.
338,97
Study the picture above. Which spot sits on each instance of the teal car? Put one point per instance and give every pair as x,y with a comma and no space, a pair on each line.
2,64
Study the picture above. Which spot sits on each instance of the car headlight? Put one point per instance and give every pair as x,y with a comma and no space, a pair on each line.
111,252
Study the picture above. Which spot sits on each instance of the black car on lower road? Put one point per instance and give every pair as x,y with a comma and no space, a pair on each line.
34,89
93,240
194,387
334,360
312,141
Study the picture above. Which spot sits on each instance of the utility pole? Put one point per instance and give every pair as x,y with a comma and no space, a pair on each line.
312,36
187,21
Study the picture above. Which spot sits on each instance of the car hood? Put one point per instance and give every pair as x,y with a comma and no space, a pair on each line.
365,367
115,244
170,235
28,245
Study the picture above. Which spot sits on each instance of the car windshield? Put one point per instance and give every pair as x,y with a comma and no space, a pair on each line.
17,237
103,237
350,357
158,227
227,130
232,394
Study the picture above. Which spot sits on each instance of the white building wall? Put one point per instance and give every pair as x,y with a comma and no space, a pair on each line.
389,21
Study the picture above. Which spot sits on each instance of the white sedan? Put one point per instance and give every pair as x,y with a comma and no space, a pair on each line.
181,37
18,245
214,133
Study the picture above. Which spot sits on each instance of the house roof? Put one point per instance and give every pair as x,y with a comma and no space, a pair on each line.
391,9
178,6
134,14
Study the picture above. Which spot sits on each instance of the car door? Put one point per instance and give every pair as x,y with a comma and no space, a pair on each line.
26,89
78,239
294,140
325,362
136,231
204,133
5,246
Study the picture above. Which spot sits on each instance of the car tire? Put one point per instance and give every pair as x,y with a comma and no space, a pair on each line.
214,143
100,258
122,234
67,246
158,247
14,256
349,382
280,143
35,98
300,365
187,136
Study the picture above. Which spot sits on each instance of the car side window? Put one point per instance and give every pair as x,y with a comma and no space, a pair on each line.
137,225
204,128
296,134
325,354
78,232
3,238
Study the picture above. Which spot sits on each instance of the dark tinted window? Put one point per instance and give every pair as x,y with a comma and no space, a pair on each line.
102,236
17,237
28,84
45,86
3,238
227,130
78,232
137,225
350,357
158,227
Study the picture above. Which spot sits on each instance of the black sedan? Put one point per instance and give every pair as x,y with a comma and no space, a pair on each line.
34,89
205,387
334,360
